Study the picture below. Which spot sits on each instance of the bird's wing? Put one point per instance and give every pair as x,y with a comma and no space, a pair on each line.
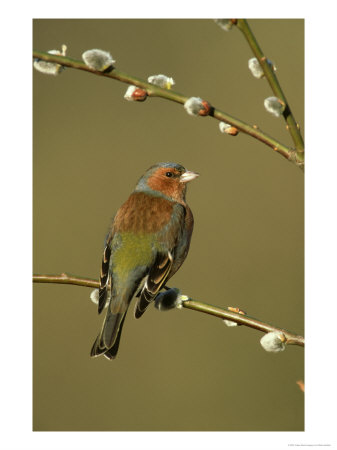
183,243
105,276
154,281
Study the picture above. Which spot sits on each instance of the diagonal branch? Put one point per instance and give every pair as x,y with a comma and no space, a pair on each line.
168,94
291,338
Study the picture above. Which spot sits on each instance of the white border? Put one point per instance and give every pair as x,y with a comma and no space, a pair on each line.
321,225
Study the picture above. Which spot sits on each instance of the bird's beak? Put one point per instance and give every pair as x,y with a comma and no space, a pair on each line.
188,176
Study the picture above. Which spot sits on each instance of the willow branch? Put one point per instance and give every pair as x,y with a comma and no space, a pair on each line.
66,279
168,94
291,338
271,77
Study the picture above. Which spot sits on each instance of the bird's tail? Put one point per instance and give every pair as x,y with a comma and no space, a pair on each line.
107,342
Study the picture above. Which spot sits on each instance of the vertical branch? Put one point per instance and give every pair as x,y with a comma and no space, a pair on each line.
292,125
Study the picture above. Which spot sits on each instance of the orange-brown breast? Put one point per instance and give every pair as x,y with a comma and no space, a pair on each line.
143,213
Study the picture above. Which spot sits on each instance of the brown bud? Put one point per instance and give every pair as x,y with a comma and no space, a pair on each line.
300,385
236,310
232,131
139,95
206,108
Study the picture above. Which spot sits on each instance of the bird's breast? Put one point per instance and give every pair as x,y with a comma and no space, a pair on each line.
143,213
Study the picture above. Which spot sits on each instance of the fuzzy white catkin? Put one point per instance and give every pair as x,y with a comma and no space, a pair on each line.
161,81
49,68
274,106
180,300
255,68
128,94
193,105
224,24
273,342
94,295
98,59
223,126
230,323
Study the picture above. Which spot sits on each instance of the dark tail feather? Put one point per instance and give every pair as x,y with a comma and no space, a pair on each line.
111,327
96,350
112,352
107,342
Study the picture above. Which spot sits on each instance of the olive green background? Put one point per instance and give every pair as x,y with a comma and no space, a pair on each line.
178,370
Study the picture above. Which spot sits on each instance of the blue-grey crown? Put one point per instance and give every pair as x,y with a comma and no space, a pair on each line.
142,183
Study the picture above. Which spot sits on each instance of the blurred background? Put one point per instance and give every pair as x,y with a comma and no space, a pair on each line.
178,370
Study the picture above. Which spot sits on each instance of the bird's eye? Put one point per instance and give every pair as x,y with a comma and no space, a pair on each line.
169,174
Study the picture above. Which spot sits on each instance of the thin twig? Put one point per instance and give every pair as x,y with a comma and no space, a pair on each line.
242,319
271,77
291,338
66,279
168,94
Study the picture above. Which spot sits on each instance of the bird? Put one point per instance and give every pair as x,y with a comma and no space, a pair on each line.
147,242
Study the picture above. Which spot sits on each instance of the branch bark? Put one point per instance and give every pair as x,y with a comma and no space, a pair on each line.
291,338
168,94
271,77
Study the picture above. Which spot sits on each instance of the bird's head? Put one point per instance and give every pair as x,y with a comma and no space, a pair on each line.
167,178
